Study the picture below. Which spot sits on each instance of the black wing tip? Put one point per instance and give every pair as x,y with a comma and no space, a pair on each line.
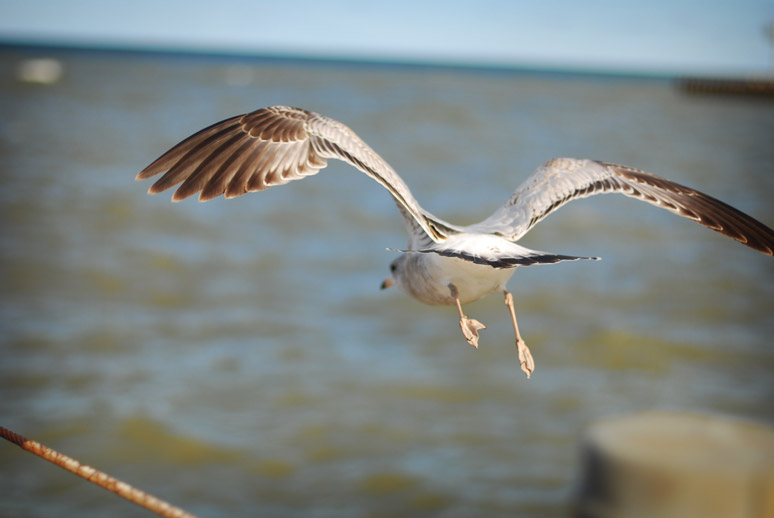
504,262
153,189
150,171
178,196
707,210
764,248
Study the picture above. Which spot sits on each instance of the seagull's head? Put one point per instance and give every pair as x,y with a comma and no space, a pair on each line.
395,271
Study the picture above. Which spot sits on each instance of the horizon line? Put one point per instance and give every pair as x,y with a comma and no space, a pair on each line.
158,50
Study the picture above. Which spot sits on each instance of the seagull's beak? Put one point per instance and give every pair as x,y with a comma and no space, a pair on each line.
387,283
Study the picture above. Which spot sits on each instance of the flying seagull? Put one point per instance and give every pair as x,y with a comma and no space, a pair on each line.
443,263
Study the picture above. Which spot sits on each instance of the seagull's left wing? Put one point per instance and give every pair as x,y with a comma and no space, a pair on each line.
561,180
273,146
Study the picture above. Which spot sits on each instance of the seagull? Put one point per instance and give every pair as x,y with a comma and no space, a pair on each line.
443,264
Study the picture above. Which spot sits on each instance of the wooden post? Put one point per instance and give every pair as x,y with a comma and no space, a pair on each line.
677,465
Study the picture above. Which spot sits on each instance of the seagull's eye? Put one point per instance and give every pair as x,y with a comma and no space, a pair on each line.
393,268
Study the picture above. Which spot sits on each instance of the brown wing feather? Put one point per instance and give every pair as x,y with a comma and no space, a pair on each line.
246,153
273,146
562,180
701,208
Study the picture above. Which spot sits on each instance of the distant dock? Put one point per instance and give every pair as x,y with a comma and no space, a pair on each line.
759,87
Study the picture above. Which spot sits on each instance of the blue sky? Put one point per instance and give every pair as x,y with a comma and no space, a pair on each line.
672,36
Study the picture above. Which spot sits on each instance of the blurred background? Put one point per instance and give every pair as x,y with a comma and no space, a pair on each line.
237,357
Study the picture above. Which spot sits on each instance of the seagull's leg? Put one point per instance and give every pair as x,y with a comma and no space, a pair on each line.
525,357
469,326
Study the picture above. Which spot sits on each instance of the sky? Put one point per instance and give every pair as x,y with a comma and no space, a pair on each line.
717,37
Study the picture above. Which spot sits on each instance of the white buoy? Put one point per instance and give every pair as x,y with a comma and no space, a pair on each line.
42,71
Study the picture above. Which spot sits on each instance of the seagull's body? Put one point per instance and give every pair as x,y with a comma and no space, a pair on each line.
443,263
428,275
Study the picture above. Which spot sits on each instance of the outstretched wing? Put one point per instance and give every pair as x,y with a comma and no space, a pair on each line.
273,146
564,179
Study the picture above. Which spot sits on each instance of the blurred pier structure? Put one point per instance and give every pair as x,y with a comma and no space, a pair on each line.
677,465
760,87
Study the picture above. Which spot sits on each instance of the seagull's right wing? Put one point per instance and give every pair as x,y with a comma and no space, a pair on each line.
273,146
561,180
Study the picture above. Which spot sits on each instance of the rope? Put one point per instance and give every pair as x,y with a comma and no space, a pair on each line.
97,477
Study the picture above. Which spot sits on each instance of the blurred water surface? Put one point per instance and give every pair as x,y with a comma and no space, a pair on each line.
237,358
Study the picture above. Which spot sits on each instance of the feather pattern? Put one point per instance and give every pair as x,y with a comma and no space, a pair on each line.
274,146
562,180
500,259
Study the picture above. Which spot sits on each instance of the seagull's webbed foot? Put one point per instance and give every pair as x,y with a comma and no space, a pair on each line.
470,329
469,326
525,356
